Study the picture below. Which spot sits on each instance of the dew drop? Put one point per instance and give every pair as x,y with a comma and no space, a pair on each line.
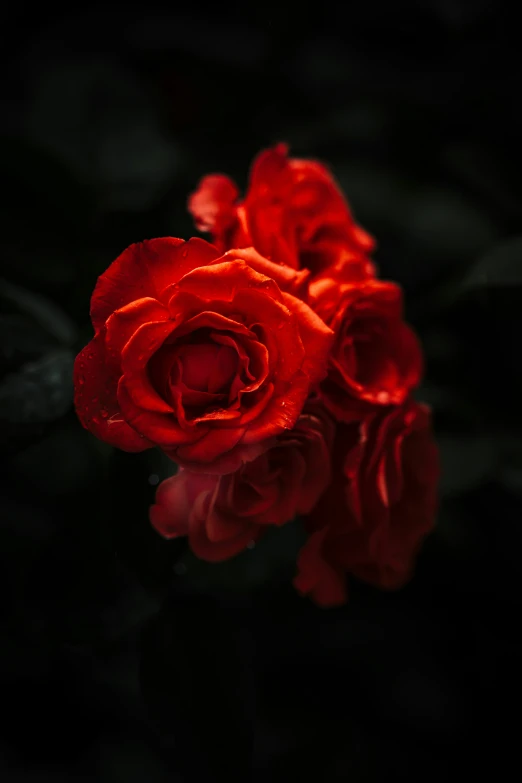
184,253
153,479
104,413
95,420
82,365
94,399
90,355
81,380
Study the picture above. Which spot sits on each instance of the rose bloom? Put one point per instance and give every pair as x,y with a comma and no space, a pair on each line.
293,213
221,515
376,359
378,509
202,355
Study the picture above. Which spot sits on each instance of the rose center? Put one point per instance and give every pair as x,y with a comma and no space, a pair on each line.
207,367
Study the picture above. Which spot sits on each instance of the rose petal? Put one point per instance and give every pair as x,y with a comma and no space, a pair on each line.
174,500
215,444
324,582
215,551
291,280
316,336
221,281
95,398
187,308
220,528
145,269
212,205
162,429
284,325
135,356
226,463
123,323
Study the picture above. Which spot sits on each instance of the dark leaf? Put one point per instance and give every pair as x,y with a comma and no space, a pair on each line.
42,391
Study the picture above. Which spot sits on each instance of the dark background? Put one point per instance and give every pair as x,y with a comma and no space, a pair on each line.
123,659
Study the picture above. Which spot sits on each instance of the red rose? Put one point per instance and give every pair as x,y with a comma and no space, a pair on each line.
376,359
201,355
222,514
293,213
379,507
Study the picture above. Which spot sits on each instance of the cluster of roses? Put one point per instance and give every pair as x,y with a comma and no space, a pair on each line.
276,370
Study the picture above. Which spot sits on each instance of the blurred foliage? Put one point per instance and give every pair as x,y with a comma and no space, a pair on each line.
124,658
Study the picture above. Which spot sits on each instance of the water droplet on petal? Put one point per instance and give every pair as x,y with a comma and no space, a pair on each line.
104,413
95,399
81,380
90,355
153,479
184,253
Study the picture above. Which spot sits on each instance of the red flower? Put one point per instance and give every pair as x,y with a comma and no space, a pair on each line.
380,506
222,514
376,359
293,213
201,355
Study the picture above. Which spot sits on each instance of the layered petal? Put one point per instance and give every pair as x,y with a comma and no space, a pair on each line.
96,402
381,503
376,359
293,213
226,547
210,358
174,501
323,581
292,281
146,269
213,204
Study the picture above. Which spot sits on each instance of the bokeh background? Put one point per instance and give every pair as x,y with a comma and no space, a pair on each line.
123,659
